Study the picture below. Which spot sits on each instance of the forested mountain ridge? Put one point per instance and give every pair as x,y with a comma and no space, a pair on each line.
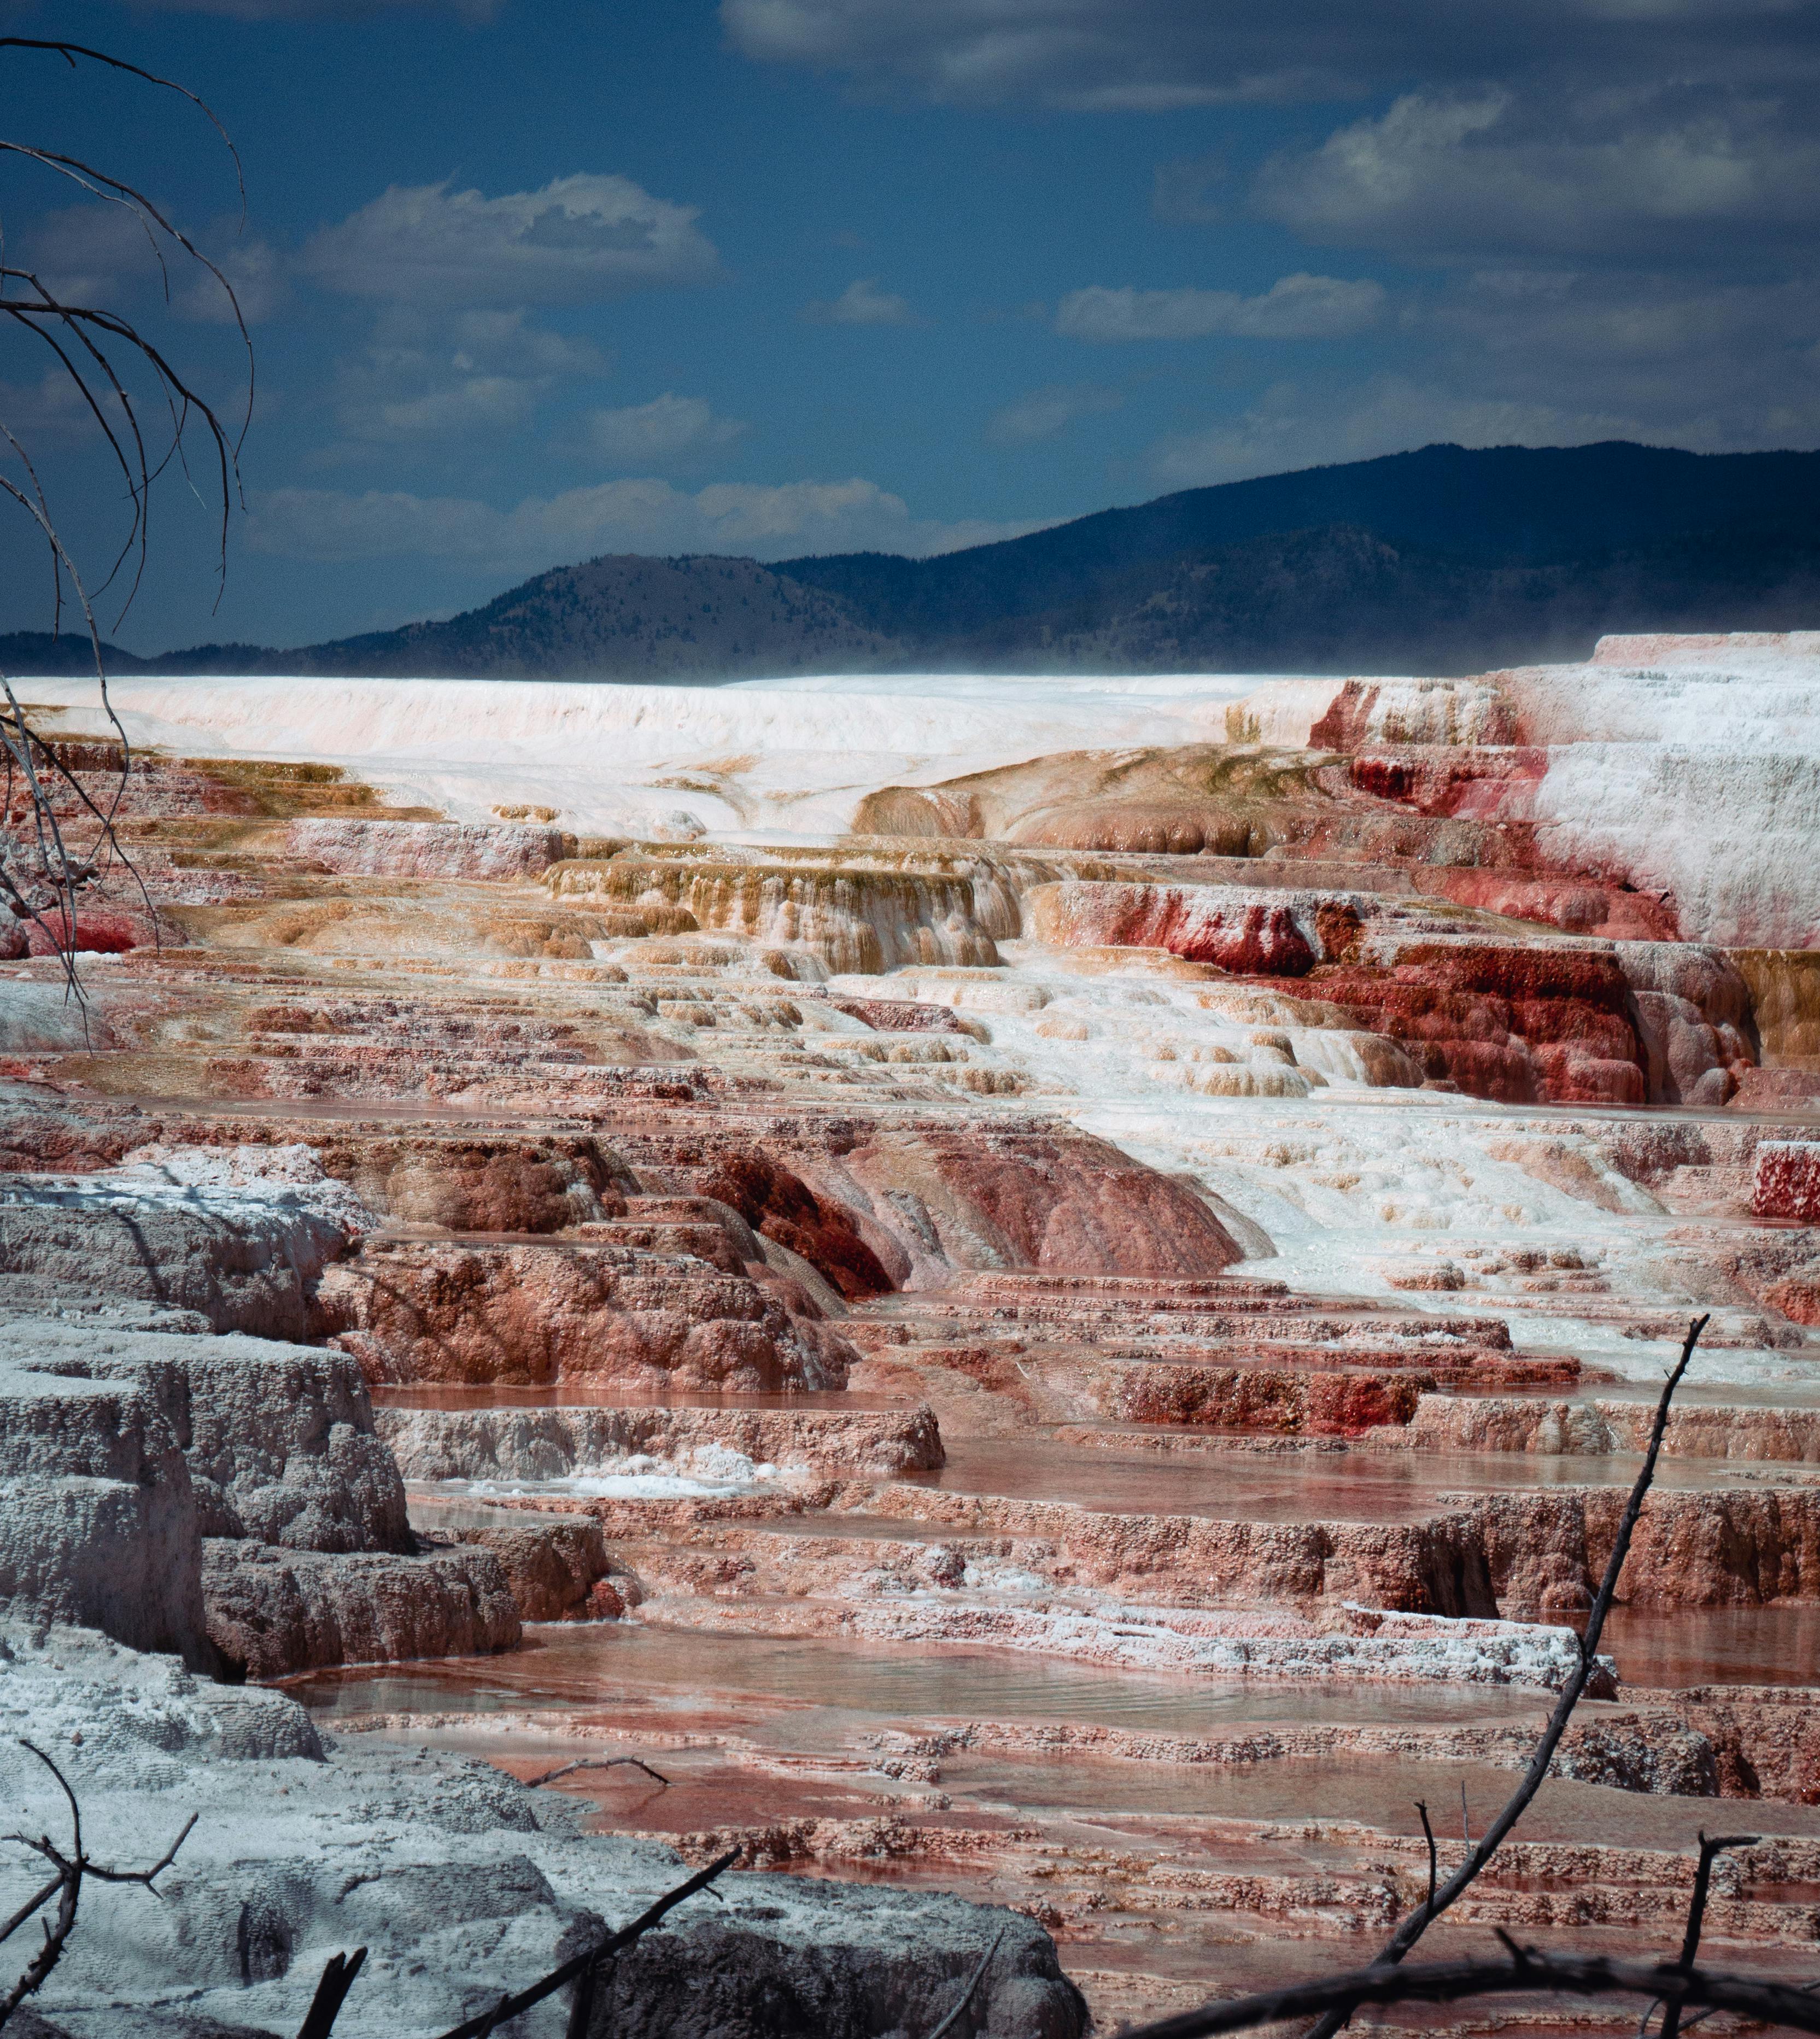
1444,559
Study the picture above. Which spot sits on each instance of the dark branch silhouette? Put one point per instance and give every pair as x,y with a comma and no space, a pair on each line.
596,1762
973,1981
97,353
1526,1972
1417,1921
71,1871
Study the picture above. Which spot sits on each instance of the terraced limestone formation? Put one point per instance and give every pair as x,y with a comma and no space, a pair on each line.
1043,1290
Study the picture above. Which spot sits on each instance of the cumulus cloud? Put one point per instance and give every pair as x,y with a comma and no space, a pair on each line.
1653,174
646,515
100,254
578,240
1165,54
669,432
1045,413
426,375
861,303
1299,307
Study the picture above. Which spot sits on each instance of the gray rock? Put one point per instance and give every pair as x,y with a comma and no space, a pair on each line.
272,1612
238,1235
462,1884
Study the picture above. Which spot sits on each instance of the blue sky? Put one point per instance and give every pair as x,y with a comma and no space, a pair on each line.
531,280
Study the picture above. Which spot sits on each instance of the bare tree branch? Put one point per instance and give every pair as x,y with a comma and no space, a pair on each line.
96,350
1428,1834
66,1887
953,2017
331,1993
614,1943
1417,1922
1527,1972
596,1762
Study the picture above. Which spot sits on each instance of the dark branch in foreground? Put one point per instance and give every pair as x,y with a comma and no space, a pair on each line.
1710,1846
953,2017
1527,1972
615,1943
66,1886
595,1763
1418,1921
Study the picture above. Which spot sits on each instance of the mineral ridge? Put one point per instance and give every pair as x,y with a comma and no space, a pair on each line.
1042,1294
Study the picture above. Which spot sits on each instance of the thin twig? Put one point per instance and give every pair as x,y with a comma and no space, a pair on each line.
596,1762
1416,1922
972,1983
1697,1911
512,2007
1428,1835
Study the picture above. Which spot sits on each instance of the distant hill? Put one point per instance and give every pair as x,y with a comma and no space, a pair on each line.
1443,561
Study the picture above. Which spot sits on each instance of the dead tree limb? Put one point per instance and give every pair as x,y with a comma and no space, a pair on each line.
1428,1835
101,355
972,1982
338,1975
1710,1846
65,1885
583,1964
1416,1922
596,1762
1526,1972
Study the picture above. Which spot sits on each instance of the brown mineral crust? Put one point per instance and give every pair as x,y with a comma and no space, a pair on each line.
1346,1405
1731,1547
1048,1199
431,1444
1566,900
1346,724
1445,1422
1797,1297
428,849
1195,1561
1499,1022
1765,1739
903,1015
272,1612
776,1201
499,1183
534,1316
1437,779
554,1569
1199,923
1778,1090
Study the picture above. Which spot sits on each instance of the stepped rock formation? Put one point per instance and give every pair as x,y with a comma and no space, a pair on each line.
1050,1295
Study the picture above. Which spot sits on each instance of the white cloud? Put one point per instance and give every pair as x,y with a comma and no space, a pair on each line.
862,303
101,254
669,430
577,240
647,515
1646,173
426,375
1044,412
1162,56
1296,307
